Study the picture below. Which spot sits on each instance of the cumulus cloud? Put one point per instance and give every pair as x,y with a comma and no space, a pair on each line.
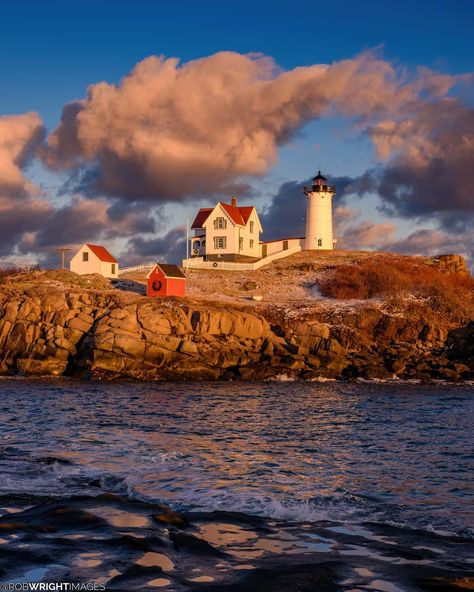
431,241
31,223
19,136
430,173
18,219
22,209
170,248
83,219
169,131
425,241
365,235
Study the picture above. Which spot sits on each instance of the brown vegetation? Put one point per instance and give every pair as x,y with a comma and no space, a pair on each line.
446,292
6,272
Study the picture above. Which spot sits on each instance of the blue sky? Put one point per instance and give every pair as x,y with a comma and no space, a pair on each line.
51,51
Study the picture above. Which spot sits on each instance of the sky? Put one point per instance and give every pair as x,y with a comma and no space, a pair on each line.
118,120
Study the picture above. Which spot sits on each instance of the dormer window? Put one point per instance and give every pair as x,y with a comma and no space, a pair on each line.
220,223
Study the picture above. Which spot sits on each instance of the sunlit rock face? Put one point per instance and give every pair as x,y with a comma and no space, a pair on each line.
58,323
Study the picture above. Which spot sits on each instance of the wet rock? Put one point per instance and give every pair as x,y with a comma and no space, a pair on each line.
168,516
194,544
137,575
297,578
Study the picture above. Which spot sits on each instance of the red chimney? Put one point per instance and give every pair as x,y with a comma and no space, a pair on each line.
233,201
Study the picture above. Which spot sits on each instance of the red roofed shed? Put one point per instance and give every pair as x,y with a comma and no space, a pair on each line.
102,253
165,280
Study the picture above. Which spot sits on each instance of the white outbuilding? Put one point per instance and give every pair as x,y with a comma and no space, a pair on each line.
94,259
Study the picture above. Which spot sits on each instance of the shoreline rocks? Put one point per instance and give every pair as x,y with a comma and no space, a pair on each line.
90,334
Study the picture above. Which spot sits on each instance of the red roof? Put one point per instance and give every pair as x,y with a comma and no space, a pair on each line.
245,212
102,253
201,217
239,215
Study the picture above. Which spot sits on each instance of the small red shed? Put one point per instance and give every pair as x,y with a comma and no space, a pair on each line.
165,280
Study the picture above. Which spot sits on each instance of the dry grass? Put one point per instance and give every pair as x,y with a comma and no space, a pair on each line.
346,277
447,293
10,271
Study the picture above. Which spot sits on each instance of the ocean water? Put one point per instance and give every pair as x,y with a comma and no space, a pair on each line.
395,452
339,455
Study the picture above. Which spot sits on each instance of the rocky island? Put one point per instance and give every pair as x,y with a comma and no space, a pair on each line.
314,315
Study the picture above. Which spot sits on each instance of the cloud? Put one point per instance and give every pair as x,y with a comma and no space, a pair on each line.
429,241
170,248
18,219
171,131
425,241
22,208
430,175
19,136
365,235
31,223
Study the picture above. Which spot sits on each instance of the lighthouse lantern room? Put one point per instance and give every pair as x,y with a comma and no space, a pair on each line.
319,231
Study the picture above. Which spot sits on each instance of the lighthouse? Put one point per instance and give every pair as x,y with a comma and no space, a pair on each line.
319,214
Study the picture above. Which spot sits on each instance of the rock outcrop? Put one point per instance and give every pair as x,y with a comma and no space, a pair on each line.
47,330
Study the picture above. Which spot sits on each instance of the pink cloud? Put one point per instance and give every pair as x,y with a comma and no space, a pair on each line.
168,131
19,136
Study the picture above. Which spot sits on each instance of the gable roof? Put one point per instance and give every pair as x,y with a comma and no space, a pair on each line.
245,212
169,270
102,253
201,217
238,214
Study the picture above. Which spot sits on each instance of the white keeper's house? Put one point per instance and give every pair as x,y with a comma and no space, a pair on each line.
228,236
94,259
227,232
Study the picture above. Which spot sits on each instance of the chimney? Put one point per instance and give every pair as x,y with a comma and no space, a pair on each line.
233,201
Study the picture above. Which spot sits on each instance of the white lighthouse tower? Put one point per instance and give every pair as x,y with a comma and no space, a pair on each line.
319,214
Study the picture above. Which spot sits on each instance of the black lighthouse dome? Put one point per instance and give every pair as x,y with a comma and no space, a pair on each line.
319,179
319,184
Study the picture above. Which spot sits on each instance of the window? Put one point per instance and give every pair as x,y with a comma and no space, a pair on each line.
220,242
320,242
85,256
251,226
113,268
251,243
241,243
220,223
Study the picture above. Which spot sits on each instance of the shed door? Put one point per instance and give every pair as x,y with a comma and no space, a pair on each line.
285,245
264,251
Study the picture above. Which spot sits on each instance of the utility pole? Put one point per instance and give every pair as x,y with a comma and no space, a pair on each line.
63,251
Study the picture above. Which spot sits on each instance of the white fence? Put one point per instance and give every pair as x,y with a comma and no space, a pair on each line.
143,267
199,263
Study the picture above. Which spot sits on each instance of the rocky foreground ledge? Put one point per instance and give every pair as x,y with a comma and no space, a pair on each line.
57,324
